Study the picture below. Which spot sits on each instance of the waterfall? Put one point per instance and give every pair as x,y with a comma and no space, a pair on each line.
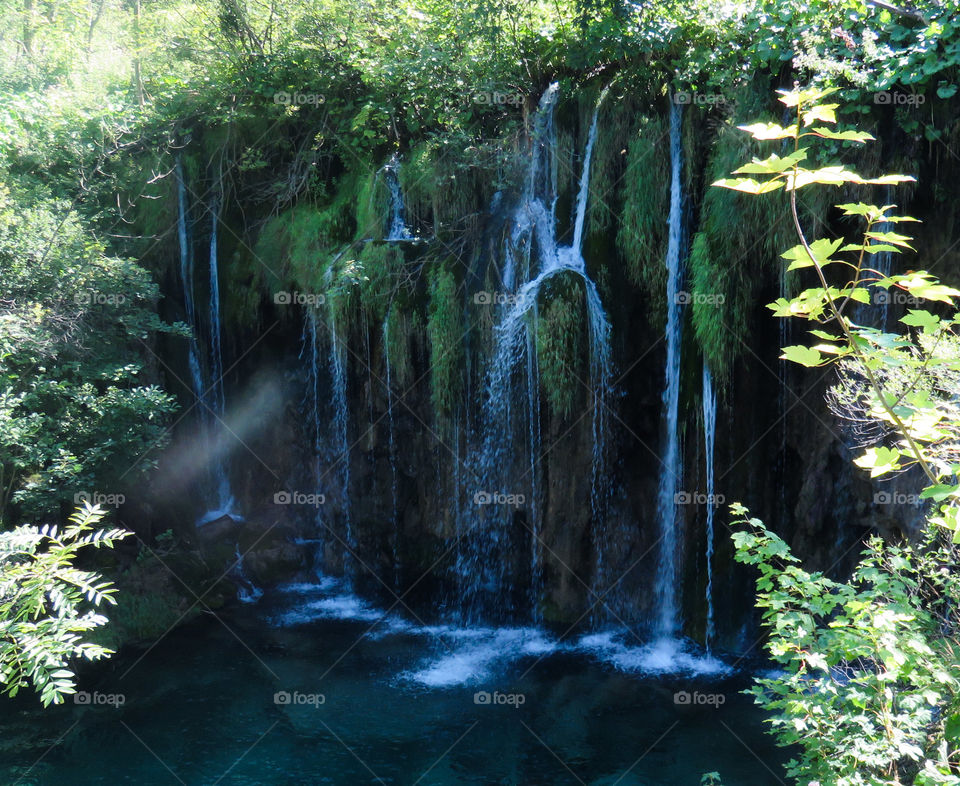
310,346
393,452
217,402
783,377
340,419
709,442
247,591
326,402
186,278
668,623
883,262
514,337
211,398
536,210
397,229
534,449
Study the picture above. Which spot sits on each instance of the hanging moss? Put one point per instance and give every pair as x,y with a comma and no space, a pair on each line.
445,332
444,189
372,207
567,169
616,122
295,249
737,246
642,238
560,341
400,332
377,268
418,178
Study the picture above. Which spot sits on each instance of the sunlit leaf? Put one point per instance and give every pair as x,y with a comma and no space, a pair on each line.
748,185
846,136
769,131
805,356
879,460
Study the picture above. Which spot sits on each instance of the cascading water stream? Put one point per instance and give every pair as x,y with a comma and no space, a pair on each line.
709,443
211,397
667,622
397,229
534,216
247,591
783,378
514,337
883,263
217,401
533,446
310,346
340,419
186,278
393,452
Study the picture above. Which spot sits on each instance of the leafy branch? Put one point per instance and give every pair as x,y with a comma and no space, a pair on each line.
917,414
47,604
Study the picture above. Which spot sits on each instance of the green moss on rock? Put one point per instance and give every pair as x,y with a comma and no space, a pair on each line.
642,237
560,340
445,333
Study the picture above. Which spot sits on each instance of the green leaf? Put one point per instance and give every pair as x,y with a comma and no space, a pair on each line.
859,209
889,180
805,356
925,286
807,95
822,250
828,176
846,136
871,248
879,460
939,492
772,165
749,186
766,131
891,237
920,318
825,113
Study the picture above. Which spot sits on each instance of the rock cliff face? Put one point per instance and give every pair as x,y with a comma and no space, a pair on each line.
403,468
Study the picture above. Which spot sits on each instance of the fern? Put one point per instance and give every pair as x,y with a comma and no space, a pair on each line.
46,603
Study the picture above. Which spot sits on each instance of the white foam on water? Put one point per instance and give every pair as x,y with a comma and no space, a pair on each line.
465,656
325,584
249,595
663,656
476,653
333,604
